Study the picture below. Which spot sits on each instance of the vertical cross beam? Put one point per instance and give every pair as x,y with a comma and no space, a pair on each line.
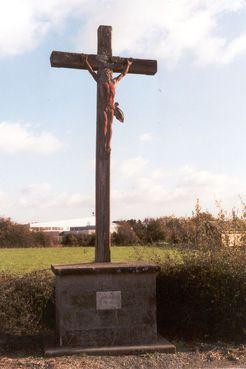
103,239
103,59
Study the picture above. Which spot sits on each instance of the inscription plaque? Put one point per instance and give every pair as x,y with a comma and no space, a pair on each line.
108,300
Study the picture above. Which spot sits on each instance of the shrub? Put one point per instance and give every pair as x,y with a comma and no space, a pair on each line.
19,236
79,239
42,239
154,230
132,232
200,231
125,235
27,303
204,297
14,234
139,228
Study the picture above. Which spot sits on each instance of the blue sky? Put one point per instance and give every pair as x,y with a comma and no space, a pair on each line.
185,128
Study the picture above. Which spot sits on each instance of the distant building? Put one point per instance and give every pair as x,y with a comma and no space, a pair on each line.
86,229
47,229
77,225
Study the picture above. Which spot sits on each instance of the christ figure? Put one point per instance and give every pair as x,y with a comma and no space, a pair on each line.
106,89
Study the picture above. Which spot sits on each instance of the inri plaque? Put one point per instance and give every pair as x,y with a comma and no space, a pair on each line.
108,300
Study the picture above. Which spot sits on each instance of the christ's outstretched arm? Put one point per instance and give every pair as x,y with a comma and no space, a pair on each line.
120,76
90,70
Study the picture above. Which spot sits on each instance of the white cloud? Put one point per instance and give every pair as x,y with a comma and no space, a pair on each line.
154,192
16,137
169,29
42,196
159,29
129,167
24,23
147,191
4,200
146,137
36,188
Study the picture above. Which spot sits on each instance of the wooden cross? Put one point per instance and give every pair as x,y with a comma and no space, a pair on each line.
102,59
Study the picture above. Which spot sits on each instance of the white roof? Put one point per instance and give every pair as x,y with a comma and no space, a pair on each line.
66,223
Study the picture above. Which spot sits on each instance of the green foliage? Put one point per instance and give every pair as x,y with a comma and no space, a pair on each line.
18,235
27,303
42,239
200,231
154,230
201,297
204,297
125,235
139,228
79,239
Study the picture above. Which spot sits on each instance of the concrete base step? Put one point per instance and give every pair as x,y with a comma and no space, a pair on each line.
162,345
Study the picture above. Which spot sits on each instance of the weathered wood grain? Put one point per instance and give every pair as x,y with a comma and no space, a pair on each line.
61,59
104,40
103,239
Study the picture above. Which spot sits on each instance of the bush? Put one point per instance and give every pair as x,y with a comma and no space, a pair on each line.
27,304
205,297
79,239
200,231
202,298
125,235
154,230
132,232
20,236
42,239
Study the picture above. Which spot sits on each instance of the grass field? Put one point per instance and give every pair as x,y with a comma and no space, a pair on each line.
20,261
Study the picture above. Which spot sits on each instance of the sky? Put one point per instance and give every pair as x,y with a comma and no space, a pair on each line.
184,135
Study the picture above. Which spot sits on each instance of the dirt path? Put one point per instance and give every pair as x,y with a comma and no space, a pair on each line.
192,356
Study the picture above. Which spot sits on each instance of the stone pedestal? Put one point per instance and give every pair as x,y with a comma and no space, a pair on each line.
106,305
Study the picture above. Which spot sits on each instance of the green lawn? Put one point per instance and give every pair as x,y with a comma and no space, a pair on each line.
20,261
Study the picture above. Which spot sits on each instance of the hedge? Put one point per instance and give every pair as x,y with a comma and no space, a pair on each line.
202,299
27,303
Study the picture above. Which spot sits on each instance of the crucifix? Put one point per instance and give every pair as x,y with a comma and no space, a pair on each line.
101,66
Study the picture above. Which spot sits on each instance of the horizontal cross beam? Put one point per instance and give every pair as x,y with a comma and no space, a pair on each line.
117,64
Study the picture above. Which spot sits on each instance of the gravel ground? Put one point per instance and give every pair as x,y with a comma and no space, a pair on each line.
25,354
